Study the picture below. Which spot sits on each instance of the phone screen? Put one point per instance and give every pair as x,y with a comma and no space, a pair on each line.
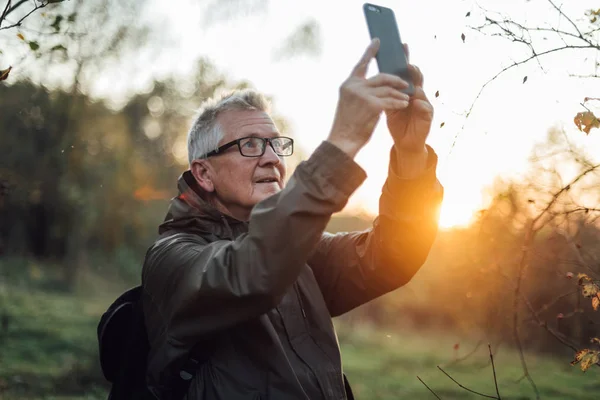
391,58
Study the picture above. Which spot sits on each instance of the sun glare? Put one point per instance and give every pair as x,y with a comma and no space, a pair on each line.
457,212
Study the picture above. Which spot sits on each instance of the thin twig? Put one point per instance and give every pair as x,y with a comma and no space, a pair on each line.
17,5
18,23
521,269
494,370
514,64
557,335
431,390
469,354
464,387
567,17
554,301
5,11
556,195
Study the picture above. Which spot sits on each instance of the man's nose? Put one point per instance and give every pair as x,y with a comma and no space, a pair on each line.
269,157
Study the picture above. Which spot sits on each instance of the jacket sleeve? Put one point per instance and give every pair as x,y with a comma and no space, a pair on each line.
354,268
199,289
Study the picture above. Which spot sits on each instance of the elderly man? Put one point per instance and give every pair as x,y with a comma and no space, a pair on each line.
243,279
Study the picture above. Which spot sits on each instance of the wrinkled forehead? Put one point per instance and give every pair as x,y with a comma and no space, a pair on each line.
236,124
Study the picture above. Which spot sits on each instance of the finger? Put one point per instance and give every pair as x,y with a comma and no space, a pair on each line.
416,75
386,91
384,79
405,45
419,94
423,108
391,103
360,70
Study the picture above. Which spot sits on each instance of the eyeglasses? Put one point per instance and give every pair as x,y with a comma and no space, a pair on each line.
256,146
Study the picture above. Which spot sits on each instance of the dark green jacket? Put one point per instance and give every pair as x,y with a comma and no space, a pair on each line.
259,296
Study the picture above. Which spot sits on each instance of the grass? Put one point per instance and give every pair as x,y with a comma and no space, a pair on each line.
385,365
50,352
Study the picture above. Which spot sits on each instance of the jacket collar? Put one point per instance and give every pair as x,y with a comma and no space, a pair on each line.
190,213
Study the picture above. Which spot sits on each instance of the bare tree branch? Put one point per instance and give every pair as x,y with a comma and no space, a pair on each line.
464,387
17,5
566,17
5,12
555,197
520,271
553,302
557,335
469,354
431,390
494,370
514,64
18,23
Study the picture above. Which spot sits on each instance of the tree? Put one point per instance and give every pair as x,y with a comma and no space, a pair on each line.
564,34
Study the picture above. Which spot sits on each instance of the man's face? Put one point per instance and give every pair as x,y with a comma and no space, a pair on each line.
241,182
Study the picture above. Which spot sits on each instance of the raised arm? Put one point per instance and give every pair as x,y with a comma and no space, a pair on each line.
356,267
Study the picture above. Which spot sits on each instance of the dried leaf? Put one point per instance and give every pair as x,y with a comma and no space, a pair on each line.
468,14
20,36
4,73
525,79
595,340
442,124
569,275
462,36
590,289
583,278
595,303
585,121
590,359
437,94
579,355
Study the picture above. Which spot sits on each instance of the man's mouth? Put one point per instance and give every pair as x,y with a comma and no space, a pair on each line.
268,180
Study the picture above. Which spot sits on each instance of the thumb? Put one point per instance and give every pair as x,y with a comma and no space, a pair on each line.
360,70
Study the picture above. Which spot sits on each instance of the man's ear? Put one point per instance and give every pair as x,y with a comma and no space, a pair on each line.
203,173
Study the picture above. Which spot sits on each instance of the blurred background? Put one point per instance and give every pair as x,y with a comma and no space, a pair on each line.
96,98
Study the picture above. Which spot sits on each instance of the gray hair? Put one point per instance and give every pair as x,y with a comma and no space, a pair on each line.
205,133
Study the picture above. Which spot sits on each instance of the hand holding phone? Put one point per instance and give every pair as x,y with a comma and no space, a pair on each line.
391,57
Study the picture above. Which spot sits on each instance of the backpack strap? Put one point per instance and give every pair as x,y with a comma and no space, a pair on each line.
349,394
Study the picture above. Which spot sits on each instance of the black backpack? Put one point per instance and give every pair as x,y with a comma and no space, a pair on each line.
123,349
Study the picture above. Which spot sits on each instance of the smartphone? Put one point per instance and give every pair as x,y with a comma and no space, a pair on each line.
391,57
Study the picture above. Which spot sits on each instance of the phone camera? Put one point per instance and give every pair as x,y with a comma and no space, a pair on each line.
374,9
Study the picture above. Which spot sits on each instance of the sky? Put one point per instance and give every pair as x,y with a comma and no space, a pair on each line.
507,121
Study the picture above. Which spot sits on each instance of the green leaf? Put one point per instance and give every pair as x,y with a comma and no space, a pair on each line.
33,45
72,17
56,23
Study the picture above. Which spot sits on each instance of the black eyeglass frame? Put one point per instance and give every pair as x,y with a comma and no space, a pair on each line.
237,142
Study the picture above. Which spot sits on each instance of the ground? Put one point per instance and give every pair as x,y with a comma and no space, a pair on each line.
50,352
